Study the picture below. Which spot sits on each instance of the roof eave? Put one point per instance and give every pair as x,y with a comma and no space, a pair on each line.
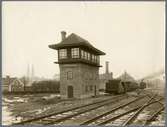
53,46
101,53
58,46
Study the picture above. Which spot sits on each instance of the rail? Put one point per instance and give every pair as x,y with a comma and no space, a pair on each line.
151,118
63,111
79,113
133,117
48,120
108,112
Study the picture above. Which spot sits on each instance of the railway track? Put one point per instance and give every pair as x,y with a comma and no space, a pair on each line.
109,112
123,109
132,118
147,116
43,118
129,116
114,113
153,116
82,112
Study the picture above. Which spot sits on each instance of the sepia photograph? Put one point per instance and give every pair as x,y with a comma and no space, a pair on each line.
83,63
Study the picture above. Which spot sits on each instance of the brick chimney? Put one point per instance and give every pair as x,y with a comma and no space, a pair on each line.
63,35
111,75
107,67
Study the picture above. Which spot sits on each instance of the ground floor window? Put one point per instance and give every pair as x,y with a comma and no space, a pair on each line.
88,88
69,75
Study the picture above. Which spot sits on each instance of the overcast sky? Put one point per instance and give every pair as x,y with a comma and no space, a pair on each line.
132,34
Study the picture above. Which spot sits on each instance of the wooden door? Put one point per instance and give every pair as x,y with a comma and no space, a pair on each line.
70,91
95,89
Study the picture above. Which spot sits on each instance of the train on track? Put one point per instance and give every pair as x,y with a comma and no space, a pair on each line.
117,86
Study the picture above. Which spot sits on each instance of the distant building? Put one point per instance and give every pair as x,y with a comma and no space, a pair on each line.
56,77
156,82
12,84
105,77
126,77
79,64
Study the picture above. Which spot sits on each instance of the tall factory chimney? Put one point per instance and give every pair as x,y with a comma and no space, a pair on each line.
107,67
28,72
63,35
32,72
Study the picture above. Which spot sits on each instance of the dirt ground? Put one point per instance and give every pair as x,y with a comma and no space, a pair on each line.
22,107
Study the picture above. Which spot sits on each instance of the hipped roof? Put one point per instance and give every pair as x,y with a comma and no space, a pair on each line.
75,40
126,77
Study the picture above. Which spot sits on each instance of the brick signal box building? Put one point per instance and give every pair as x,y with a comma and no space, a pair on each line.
79,64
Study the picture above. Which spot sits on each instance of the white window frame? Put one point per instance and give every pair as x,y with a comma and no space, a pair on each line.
85,55
88,55
62,53
93,57
75,52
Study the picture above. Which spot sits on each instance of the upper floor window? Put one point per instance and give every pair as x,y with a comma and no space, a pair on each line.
93,58
98,59
83,54
88,56
75,52
62,53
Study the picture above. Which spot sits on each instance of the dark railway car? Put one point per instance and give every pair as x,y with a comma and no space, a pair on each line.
116,86
131,86
142,85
